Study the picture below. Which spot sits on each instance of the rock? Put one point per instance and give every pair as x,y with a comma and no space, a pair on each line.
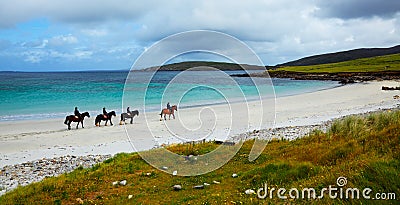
148,174
34,171
249,191
79,200
177,187
206,184
164,168
198,187
130,196
216,182
123,182
175,173
234,175
115,183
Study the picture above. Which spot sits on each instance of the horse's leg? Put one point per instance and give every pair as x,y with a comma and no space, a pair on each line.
109,118
82,123
77,125
69,124
173,115
131,119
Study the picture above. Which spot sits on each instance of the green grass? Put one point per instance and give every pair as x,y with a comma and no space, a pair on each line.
364,149
374,64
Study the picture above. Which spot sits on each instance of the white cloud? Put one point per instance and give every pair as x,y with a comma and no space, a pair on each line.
95,32
70,11
62,40
277,30
33,56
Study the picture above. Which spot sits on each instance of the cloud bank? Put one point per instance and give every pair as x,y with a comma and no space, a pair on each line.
70,35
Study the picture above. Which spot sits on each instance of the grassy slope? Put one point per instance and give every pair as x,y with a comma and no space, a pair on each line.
374,64
366,150
202,65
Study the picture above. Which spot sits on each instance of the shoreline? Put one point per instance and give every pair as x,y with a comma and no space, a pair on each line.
24,141
51,135
58,115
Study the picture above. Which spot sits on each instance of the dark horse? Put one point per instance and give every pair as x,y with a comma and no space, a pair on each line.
73,118
128,115
166,111
101,117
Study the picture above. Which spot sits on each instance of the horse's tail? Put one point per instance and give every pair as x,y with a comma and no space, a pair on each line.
96,121
161,113
122,116
66,120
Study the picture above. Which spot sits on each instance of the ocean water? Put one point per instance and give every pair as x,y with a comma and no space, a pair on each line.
45,95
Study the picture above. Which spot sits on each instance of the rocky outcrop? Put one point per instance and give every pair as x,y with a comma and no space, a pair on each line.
342,77
390,88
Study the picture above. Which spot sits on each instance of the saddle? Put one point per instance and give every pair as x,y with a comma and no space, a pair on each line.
76,117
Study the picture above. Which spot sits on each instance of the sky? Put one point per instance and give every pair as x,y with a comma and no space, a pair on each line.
70,35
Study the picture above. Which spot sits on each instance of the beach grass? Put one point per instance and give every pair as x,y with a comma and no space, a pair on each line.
364,148
374,64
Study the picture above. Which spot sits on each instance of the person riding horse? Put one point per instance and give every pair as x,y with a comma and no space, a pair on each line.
128,111
77,113
168,111
169,107
104,113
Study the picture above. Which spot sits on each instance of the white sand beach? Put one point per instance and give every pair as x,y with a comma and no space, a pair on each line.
24,141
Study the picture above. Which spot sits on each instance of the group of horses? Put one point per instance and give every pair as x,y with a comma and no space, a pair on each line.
101,117
79,119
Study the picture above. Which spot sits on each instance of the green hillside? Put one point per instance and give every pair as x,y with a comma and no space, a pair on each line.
204,66
374,64
364,149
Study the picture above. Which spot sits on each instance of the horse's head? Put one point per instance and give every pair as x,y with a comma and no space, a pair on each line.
174,107
112,113
86,114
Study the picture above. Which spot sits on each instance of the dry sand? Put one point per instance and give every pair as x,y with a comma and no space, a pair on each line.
29,140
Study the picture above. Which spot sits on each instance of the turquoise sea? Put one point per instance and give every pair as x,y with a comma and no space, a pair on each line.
44,95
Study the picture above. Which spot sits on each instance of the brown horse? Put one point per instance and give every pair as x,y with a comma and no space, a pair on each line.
101,117
166,111
73,118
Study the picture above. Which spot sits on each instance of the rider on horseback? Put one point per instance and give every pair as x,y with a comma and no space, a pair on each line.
169,107
128,111
77,113
105,113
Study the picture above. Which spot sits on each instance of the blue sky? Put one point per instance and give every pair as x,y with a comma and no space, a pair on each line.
46,35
